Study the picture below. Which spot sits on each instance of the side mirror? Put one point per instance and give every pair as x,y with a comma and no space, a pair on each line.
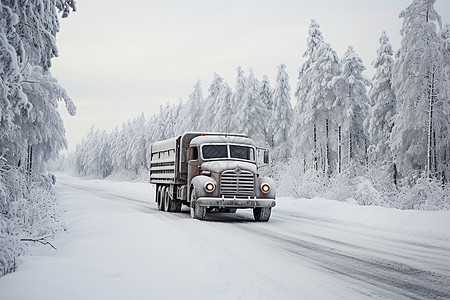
266,156
262,157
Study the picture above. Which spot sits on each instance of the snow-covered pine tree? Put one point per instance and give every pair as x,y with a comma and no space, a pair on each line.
421,124
13,100
349,112
137,148
314,40
282,117
27,43
104,155
443,148
322,97
224,112
160,123
252,113
171,116
310,132
178,115
211,103
382,97
194,109
237,100
266,96
303,133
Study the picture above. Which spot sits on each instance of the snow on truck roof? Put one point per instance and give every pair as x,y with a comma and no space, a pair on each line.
201,138
222,139
164,145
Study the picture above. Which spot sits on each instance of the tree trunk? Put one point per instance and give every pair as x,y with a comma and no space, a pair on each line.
435,153
29,159
429,167
315,148
350,148
395,174
327,152
340,150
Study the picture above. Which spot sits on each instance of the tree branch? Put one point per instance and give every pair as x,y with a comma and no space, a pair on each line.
41,240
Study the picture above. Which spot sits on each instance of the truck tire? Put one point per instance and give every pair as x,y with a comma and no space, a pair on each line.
160,198
177,206
171,205
262,214
197,211
157,194
167,200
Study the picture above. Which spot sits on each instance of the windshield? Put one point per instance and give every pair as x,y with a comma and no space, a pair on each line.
214,151
241,152
228,151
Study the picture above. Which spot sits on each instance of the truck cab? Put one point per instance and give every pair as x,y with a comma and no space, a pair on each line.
211,172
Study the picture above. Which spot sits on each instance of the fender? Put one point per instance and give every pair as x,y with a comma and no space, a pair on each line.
199,182
273,188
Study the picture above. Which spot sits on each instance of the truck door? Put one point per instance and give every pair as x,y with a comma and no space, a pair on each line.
193,163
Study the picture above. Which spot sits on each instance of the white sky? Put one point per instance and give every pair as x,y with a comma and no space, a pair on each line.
121,58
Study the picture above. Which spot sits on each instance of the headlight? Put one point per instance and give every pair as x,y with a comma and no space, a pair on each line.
210,187
265,188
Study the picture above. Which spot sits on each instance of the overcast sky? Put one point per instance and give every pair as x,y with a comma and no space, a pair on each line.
120,58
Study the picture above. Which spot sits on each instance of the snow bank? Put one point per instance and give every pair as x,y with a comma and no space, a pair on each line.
416,222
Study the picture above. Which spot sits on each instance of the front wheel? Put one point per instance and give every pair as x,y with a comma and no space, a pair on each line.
197,211
262,214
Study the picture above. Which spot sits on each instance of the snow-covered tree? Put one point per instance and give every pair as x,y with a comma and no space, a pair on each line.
266,96
211,103
303,132
419,137
314,40
349,112
310,132
137,148
27,42
194,110
252,113
382,97
31,129
237,100
224,116
282,117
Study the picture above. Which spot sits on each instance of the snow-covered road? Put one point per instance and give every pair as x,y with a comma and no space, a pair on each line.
118,246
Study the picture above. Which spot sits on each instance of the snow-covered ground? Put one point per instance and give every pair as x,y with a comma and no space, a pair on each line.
118,246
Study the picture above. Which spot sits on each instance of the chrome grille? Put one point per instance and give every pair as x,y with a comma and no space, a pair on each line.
237,183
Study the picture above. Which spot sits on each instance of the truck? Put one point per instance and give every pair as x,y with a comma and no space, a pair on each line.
211,172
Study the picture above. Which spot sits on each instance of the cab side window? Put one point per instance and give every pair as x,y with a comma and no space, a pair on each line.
194,153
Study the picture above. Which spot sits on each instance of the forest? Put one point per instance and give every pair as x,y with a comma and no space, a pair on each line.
31,129
383,141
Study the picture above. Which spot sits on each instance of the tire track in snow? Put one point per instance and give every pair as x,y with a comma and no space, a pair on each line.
370,274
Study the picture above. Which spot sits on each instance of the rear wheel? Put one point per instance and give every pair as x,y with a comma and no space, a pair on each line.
197,211
167,201
160,198
177,206
262,214
170,204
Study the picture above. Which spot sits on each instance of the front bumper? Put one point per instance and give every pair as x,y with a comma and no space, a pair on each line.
235,202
